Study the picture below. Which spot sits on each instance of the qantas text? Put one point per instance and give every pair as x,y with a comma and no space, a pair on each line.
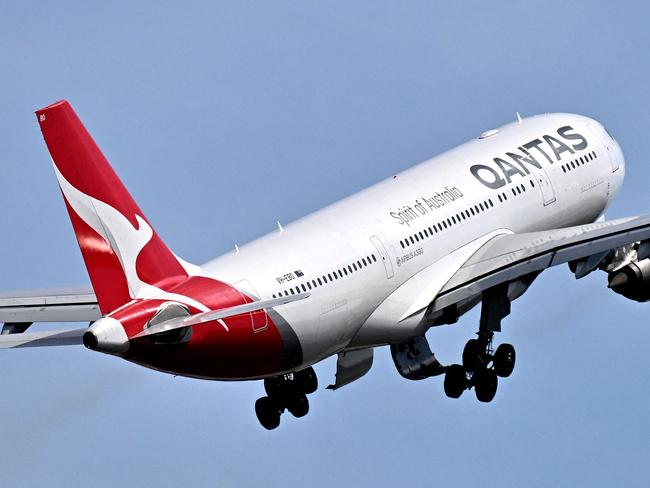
517,162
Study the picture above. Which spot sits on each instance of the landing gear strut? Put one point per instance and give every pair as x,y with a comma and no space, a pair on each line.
285,392
482,366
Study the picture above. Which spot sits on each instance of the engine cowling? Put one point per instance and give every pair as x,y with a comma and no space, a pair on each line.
632,280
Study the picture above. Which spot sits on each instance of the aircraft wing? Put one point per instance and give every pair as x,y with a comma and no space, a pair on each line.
53,305
507,257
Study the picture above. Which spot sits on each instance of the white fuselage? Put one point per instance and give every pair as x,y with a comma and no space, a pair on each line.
359,256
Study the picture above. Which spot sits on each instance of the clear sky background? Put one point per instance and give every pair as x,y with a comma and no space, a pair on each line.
223,117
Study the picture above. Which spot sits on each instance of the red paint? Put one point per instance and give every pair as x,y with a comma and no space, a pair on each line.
252,345
104,268
212,351
84,166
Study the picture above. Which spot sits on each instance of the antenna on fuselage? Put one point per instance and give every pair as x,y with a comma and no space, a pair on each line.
280,226
518,118
236,249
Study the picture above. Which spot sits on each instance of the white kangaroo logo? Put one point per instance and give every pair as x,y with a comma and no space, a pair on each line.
126,241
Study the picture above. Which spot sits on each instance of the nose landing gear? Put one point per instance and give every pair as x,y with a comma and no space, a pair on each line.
285,392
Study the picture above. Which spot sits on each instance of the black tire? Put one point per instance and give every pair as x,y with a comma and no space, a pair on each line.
504,360
472,356
455,381
485,385
267,413
298,405
275,387
306,380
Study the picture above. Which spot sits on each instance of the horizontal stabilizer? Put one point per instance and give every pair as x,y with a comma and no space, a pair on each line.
52,305
70,337
180,322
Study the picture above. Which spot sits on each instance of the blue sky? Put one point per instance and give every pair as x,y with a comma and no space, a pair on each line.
223,117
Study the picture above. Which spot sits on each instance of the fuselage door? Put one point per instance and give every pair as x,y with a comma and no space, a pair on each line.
383,255
258,318
604,139
545,186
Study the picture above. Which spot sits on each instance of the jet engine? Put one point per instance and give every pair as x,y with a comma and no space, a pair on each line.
632,280
627,267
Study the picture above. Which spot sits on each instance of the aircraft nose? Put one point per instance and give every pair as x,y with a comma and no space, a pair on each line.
106,335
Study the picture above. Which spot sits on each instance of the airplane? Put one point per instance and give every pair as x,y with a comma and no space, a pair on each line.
473,226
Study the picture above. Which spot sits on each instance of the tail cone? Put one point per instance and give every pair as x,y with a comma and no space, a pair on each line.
106,335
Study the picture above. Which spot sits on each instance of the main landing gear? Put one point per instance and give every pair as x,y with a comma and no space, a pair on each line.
482,365
481,368
285,392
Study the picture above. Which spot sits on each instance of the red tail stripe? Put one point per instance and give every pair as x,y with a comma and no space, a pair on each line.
83,165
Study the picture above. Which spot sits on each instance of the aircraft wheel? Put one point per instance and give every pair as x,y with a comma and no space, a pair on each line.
504,360
306,380
485,385
267,413
274,387
298,405
472,356
455,381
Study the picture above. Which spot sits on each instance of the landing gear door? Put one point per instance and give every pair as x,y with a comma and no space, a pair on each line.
383,255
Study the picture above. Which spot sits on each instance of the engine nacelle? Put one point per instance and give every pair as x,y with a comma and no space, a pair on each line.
632,281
